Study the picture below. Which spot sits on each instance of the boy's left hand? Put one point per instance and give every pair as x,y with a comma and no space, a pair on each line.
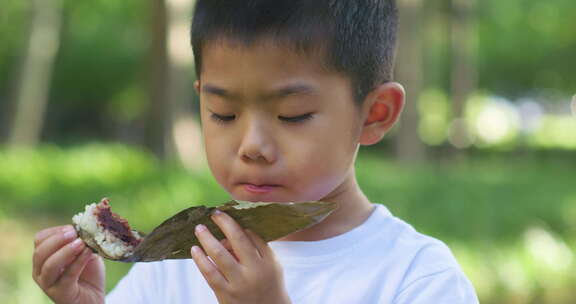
244,268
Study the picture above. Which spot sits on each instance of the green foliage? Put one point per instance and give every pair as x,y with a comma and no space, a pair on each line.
527,44
13,22
525,48
55,181
104,45
482,200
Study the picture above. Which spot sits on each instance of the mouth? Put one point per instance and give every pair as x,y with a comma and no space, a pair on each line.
259,189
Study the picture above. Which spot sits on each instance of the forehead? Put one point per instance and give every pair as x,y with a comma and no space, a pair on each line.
264,59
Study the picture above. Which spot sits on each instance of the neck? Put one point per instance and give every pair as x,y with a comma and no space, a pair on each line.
354,208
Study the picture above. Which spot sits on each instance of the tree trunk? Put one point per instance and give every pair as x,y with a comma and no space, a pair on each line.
32,89
409,147
185,130
463,30
158,114
172,128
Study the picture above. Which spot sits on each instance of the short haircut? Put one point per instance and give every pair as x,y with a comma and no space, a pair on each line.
356,38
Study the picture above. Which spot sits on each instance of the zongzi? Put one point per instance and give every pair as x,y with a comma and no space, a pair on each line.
110,235
106,232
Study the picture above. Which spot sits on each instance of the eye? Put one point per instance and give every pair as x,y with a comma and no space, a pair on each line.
295,119
222,118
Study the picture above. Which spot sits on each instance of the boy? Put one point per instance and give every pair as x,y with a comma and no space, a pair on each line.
289,89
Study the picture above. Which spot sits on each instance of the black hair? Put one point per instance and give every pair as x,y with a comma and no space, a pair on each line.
356,37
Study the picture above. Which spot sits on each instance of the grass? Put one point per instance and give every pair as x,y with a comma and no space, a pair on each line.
511,222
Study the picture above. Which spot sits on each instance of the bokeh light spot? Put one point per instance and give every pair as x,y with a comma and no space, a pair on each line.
459,134
496,122
549,251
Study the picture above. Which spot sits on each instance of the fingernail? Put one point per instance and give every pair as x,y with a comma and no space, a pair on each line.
76,243
70,234
217,212
87,252
195,249
200,228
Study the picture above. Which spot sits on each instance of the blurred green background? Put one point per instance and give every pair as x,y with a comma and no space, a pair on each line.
96,100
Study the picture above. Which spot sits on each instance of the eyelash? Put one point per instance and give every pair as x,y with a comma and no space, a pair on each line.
296,119
222,119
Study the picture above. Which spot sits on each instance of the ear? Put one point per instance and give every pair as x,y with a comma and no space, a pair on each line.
381,110
197,86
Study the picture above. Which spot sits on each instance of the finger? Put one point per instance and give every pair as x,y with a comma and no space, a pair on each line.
47,248
240,242
71,275
42,235
262,247
221,256
227,245
58,262
209,271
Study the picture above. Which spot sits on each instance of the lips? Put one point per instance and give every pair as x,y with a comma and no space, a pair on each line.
259,188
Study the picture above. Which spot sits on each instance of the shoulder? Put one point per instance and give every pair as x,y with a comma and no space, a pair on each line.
425,267
396,237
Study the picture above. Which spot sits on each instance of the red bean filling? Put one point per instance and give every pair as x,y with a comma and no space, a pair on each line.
114,223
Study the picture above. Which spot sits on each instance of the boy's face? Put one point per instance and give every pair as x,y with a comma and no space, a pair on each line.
276,126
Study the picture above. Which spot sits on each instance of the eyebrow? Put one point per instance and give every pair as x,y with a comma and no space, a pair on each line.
214,90
276,94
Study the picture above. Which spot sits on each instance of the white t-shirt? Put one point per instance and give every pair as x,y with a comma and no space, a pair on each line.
384,260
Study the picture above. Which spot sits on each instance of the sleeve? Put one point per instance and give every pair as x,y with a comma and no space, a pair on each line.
139,286
449,286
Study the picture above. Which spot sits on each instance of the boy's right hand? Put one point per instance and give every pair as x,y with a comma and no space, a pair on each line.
66,270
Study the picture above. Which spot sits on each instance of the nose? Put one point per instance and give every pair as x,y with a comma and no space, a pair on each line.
257,144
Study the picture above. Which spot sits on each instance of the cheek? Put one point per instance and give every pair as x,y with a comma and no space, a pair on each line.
322,170
217,156
215,165
333,158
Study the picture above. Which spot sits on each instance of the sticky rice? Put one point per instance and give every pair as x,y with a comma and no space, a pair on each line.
106,232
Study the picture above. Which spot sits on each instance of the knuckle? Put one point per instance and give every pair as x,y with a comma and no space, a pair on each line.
51,292
38,237
41,279
216,286
49,267
220,252
211,276
211,272
242,238
64,280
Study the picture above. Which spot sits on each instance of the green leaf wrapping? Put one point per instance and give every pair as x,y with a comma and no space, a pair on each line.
175,236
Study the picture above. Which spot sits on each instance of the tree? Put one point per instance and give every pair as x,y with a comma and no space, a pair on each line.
172,128
31,96
158,114
409,147
185,129
464,74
